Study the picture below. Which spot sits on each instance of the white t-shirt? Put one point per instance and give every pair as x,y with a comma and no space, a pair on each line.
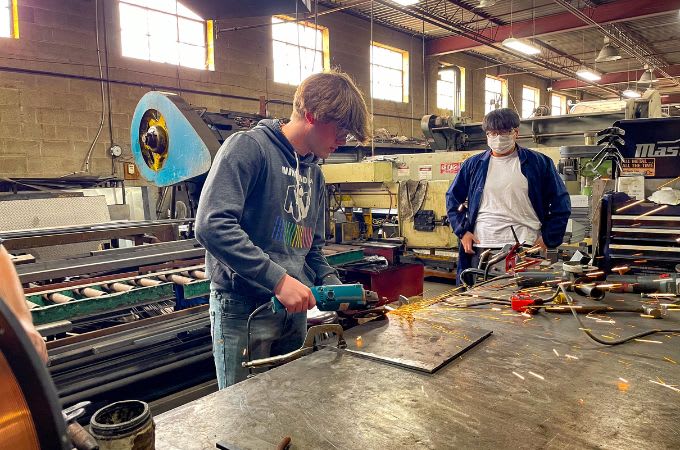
505,202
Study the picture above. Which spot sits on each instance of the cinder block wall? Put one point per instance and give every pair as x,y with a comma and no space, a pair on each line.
48,121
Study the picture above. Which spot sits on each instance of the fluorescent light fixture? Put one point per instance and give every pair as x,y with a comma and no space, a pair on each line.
485,3
631,93
406,2
588,74
521,46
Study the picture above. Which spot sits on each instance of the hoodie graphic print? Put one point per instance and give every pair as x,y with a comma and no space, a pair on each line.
296,203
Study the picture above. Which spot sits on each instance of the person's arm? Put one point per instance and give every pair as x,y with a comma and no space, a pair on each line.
13,295
456,210
315,259
558,208
232,177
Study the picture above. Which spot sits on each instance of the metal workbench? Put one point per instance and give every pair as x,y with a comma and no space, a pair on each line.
535,383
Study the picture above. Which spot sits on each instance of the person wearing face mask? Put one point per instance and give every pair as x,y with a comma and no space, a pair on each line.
506,186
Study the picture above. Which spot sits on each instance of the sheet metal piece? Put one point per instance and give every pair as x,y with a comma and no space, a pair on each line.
40,213
425,348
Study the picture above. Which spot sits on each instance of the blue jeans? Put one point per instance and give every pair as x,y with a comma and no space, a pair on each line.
270,334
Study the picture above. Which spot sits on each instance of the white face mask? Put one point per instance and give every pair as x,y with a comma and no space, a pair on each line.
501,144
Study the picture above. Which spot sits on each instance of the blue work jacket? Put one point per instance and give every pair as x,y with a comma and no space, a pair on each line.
547,194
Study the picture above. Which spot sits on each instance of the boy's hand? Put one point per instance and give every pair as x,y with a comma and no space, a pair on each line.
295,296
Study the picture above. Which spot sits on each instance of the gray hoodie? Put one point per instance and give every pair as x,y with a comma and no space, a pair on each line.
261,214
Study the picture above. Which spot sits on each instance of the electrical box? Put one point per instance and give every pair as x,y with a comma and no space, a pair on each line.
130,171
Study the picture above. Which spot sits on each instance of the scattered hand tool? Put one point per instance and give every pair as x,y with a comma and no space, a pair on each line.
523,302
653,311
512,264
663,283
81,439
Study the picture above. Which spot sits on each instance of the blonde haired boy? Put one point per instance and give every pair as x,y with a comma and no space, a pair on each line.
261,220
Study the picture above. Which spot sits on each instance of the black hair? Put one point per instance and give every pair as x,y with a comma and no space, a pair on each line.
500,120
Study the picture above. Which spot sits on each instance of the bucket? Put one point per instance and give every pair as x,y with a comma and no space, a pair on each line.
125,425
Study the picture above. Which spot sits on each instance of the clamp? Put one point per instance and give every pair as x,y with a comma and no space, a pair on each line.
308,347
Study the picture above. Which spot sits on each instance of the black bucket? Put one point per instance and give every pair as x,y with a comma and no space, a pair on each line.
125,425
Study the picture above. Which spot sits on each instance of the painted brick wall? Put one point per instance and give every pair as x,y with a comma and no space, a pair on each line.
47,123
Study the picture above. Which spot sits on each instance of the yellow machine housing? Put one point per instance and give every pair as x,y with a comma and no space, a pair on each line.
376,184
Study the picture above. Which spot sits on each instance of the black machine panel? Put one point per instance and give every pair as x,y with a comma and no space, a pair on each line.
652,146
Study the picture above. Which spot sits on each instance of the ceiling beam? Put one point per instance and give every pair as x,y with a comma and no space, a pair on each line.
671,98
557,23
613,78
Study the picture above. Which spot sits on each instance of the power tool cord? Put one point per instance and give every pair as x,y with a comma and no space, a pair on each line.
601,341
257,311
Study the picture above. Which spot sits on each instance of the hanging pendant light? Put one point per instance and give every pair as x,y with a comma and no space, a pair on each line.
608,52
648,76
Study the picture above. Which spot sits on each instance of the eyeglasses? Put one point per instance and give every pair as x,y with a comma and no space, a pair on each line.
494,133
341,133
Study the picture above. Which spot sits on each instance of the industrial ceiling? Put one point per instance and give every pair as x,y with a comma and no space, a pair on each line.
569,35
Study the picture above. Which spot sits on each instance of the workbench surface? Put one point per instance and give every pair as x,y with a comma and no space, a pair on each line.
537,382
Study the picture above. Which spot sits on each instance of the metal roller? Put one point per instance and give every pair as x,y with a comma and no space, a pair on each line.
120,287
91,293
58,298
198,274
177,279
146,282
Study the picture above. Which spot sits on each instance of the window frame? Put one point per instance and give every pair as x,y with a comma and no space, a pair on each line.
13,20
460,80
208,37
449,85
563,104
404,71
536,101
504,92
325,45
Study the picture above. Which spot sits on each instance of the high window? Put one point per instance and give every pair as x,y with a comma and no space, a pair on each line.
451,80
495,94
300,49
9,23
558,104
165,31
530,100
389,73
